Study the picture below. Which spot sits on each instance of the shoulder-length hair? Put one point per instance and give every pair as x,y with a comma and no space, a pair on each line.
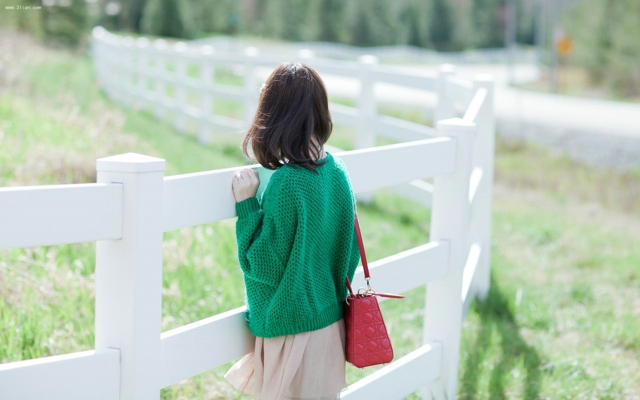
293,107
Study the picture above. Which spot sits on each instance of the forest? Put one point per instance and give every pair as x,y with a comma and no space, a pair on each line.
605,33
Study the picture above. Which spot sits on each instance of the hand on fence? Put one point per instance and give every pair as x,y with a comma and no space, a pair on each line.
245,184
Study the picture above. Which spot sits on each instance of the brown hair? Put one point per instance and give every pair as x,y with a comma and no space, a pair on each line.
293,107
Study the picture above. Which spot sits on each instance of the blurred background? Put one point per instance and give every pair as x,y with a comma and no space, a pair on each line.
563,316
583,48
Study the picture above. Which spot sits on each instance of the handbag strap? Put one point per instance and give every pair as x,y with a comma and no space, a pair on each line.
366,267
363,257
361,246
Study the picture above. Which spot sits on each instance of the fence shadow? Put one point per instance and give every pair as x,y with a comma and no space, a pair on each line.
496,317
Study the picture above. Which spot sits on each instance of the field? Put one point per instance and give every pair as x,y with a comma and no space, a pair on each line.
562,320
575,81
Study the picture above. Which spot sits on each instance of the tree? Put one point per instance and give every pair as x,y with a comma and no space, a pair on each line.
441,25
289,19
606,43
220,16
362,30
525,22
163,18
294,17
132,14
385,32
413,35
330,20
30,22
65,22
488,28
127,18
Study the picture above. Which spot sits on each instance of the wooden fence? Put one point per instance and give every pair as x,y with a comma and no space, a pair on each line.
133,203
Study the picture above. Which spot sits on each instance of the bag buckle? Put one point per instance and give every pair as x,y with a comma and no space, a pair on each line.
365,292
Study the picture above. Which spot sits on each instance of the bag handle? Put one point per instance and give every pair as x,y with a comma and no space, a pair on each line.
363,257
365,266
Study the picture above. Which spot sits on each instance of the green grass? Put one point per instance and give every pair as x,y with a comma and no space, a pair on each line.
576,81
561,319
554,325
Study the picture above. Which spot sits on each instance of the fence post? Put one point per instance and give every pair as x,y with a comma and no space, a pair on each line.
118,69
97,53
367,110
250,87
206,77
113,67
444,108
450,222
179,86
126,74
160,70
485,149
142,66
129,275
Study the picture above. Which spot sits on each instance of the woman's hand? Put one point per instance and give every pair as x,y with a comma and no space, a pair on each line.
245,184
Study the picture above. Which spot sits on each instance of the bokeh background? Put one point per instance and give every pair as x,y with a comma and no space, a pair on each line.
562,319
604,34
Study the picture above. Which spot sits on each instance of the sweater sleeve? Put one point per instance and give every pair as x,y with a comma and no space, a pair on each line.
258,227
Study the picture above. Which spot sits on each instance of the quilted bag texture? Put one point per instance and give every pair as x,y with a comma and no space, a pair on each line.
367,340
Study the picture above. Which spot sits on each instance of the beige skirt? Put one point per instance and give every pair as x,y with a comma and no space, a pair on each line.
307,365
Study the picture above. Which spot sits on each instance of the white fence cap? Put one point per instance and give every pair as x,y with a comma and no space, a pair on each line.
305,53
251,51
142,42
206,50
98,31
368,59
483,78
130,162
447,68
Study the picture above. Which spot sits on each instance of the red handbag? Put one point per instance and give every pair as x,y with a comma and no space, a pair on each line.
367,340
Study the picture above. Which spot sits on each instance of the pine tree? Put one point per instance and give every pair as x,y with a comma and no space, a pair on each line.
131,15
409,19
385,32
296,16
488,27
288,19
441,25
330,20
66,22
525,14
362,30
163,18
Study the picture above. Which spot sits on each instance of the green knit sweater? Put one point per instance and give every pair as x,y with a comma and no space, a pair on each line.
296,246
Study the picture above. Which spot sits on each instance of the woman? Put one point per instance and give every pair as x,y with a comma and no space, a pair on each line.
295,246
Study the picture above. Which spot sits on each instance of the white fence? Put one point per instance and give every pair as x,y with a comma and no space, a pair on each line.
126,68
133,203
396,53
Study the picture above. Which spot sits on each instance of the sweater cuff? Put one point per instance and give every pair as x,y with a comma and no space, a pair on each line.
247,206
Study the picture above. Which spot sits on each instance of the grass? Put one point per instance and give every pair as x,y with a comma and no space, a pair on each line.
575,81
561,319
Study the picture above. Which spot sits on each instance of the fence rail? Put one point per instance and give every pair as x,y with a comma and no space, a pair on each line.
395,53
133,203
56,214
